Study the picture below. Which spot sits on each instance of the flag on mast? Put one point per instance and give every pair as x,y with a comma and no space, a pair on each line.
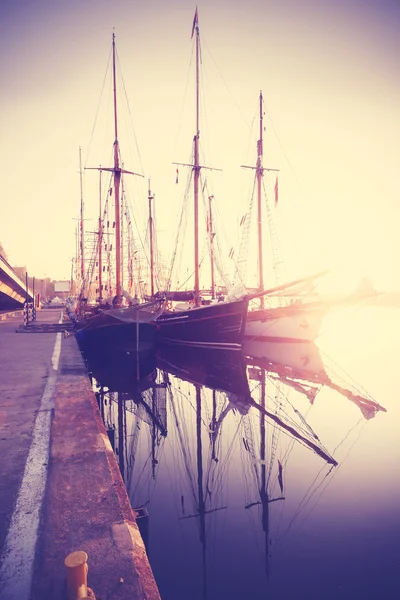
195,23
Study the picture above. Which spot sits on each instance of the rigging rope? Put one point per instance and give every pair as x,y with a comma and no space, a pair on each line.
274,242
181,231
241,263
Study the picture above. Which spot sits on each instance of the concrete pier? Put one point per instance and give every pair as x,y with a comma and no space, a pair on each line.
61,490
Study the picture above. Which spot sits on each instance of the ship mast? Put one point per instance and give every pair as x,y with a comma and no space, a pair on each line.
259,169
76,259
117,181
82,234
100,258
117,171
259,175
151,197
196,169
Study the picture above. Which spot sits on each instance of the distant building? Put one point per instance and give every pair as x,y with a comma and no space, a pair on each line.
62,286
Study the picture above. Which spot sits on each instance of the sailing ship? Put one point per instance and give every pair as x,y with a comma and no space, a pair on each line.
213,324
111,322
293,312
295,321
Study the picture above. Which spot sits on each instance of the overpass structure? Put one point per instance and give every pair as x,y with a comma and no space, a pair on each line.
13,291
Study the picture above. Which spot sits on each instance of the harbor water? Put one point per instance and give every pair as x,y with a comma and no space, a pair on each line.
253,483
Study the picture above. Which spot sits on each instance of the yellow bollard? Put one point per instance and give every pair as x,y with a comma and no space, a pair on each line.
77,568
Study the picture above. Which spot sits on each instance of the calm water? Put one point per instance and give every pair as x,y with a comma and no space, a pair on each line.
235,465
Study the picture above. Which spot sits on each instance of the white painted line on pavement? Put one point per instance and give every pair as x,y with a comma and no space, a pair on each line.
16,562
55,359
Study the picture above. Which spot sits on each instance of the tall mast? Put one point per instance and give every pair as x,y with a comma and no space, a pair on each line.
259,175
151,197
259,168
77,245
116,170
117,180
72,277
196,172
196,167
100,244
122,231
82,235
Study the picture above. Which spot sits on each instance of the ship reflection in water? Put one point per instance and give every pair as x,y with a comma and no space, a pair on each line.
238,464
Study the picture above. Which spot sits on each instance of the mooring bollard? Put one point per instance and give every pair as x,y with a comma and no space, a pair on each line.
77,568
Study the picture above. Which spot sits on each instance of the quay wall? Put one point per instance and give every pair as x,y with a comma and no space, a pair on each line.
87,507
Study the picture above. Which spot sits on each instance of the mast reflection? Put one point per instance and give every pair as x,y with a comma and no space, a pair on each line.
219,380
131,397
227,411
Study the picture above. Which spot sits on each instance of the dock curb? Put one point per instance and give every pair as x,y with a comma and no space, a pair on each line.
87,507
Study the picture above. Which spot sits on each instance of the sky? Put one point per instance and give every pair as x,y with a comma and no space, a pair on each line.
330,76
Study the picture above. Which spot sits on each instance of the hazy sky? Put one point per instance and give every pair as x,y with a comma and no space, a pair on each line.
330,75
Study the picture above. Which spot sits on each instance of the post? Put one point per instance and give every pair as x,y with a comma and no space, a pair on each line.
77,568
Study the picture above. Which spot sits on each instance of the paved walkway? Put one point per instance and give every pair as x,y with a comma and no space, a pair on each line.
60,487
